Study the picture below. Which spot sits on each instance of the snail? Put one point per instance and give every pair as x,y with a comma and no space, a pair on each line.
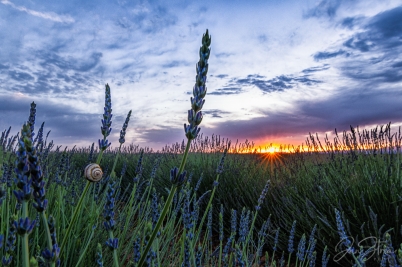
93,172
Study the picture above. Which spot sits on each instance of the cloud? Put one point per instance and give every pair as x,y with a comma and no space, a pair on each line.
70,63
215,113
349,106
326,55
351,22
325,8
397,65
227,91
147,18
316,69
371,55
277,84
44,15
20,76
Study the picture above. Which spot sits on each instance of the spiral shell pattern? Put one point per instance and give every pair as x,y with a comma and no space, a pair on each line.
93,172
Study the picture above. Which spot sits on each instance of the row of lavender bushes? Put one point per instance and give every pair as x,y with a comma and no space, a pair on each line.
324,204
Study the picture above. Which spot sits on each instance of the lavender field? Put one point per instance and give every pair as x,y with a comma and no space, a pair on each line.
204,201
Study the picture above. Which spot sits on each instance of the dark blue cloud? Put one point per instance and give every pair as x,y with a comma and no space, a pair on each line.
221,76
20,76
215,113
350,106
227,91
351,22
387,24
382,32
315,69
397,65
175,63
147,18
373,53
326,55
70,63
359,44
325,8
277,84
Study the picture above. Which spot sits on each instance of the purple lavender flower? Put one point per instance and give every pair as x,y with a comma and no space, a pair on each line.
325,259
262,196
239,256
24,226
234,222
124,128
10,242
219,170
301,248
198,257
39,138
244,222
199,90
31,119
112,244
155,210
137,250
291,237
186,260
177,179
106,121
108,213
99,257
209,224
276,240
52,256
341,230
22,170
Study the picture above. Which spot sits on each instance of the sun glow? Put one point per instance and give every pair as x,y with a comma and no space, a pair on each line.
270,150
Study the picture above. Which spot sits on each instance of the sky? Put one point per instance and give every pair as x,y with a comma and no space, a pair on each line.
278,70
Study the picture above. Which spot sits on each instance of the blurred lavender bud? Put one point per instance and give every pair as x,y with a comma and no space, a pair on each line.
31,119
291,237
301,248
137,250
124,128
112,243
24,226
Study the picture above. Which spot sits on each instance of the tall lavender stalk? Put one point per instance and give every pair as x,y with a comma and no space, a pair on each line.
103,145
24,225
194,119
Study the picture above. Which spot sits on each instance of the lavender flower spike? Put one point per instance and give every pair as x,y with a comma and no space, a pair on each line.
199,90
124,128
107,120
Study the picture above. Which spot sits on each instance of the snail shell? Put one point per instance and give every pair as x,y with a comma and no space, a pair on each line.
93,172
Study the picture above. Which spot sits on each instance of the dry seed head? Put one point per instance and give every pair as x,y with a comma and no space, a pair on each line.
93,173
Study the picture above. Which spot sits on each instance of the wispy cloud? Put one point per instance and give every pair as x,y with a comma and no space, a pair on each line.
45,15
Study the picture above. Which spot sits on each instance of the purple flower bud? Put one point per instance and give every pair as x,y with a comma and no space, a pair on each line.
112,243
197,103
191,131
24,226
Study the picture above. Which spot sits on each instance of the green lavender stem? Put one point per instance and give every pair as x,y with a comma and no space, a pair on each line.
208,207
25,244
115,258
48,236
165,208
78,208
